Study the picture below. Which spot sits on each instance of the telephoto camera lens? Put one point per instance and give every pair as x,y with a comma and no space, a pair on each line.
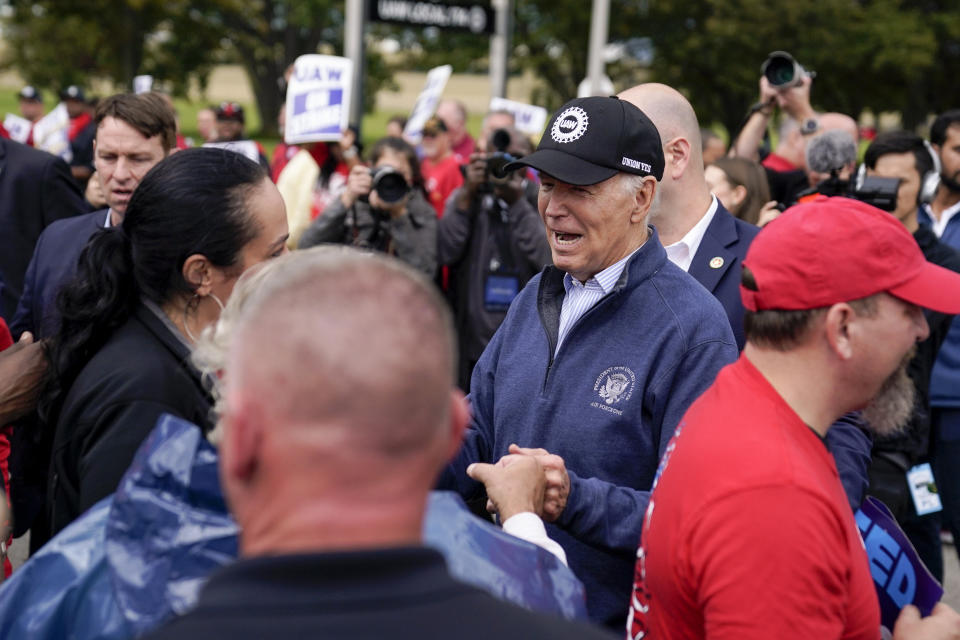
783,71
389,184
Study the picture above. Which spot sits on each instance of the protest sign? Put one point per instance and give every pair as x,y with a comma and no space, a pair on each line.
427,101
17,127
476,17
899,575
318,99
142,84
530,119
50,133
247,148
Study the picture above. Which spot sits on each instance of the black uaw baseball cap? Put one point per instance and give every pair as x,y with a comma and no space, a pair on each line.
590,140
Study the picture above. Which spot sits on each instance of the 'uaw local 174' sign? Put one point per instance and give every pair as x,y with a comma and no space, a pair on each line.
475,17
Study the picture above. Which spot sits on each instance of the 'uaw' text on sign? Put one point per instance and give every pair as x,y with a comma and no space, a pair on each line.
318,99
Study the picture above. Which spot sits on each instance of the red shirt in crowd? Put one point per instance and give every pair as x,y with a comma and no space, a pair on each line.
440,179
464,148
749,534
6,341
282,154
778,163
78,124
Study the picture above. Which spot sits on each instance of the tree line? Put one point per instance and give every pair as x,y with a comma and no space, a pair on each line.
883,55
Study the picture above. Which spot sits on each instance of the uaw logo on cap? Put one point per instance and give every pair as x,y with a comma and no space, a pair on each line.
615,385
569,125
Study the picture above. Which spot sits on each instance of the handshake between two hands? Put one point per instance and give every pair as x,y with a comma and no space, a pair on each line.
524,480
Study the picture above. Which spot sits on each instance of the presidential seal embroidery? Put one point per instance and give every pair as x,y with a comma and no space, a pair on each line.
614,386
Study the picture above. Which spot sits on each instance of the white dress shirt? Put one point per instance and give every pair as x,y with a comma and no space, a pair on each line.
580,297
528,526
940,225
682,251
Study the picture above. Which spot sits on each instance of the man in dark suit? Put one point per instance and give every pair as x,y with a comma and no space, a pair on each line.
36,189
706,241
700,235
133,133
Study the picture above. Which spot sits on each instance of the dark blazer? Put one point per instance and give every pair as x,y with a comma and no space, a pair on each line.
54,264
728,239
36,188
141,373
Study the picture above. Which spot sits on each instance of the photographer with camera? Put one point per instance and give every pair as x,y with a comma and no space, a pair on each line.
383,208
494,242
784,83
903,156
831,162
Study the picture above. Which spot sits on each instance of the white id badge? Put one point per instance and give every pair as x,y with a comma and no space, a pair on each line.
923,488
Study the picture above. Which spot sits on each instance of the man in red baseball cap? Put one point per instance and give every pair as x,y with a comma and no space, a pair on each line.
748,533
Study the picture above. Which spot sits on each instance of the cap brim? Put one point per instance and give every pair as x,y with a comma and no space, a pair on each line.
564,167
934,288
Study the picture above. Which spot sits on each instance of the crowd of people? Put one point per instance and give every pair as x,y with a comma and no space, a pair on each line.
678,366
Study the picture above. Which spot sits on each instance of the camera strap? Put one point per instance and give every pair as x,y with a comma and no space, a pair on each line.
500,222
502,280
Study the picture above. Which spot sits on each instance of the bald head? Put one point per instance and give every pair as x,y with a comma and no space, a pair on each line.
346,348
668,109
840,122
339,407
684,194
454,115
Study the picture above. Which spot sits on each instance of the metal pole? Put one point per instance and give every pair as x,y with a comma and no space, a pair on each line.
353,49
500,47
599,24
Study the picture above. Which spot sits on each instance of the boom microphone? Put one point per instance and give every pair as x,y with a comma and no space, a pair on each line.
831,151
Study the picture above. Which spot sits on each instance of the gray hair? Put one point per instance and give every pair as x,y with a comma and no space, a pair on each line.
355,339
209,354
632,183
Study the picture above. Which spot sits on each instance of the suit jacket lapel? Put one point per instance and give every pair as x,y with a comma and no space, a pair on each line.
713,258
3,158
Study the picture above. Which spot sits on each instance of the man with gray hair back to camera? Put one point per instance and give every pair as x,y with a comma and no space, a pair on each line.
339,411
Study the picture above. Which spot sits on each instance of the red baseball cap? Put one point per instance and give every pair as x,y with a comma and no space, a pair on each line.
837,249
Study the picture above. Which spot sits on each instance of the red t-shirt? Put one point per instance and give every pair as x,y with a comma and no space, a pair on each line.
464,148
778,163
78,124
440,179
749,534
6,341
282,154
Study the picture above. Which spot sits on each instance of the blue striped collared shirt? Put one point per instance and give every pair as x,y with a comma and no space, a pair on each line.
580,297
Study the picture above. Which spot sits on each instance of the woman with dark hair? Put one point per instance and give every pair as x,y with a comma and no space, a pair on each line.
384,209
741,185
144,291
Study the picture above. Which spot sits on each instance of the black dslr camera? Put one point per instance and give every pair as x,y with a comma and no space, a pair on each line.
495,172
878,192
499,159
389,184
